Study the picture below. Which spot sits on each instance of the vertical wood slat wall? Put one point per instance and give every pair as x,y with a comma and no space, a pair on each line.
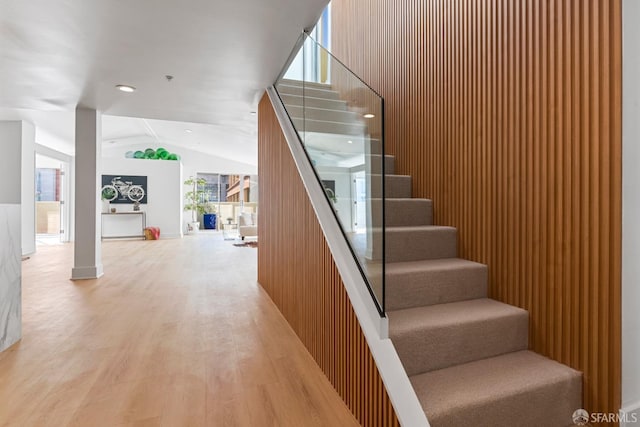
296,268
508,115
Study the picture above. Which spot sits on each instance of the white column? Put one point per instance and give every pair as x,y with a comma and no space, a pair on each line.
28,186
87,262
10,233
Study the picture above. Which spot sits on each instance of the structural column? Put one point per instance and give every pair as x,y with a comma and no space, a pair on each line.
87,262
10,233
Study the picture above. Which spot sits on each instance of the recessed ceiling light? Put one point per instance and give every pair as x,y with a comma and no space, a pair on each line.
350,142
126,88
188,130
253,113
368,116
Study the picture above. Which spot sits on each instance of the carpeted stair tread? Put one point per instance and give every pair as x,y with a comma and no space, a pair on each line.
433,281
520,389
420,242
437,336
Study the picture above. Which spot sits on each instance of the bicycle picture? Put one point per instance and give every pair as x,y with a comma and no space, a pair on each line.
124,189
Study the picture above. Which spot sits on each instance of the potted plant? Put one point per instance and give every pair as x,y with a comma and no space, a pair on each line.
195,200
108,194
331,195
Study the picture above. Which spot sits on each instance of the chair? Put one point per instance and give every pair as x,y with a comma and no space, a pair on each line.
248,225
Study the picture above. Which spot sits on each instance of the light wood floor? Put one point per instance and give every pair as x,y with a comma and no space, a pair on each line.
176,333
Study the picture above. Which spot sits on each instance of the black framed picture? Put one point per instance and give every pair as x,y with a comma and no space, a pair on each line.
127,188
330,189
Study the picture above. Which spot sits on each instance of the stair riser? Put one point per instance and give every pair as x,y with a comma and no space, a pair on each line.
300,83
409,245
340,116
376,164
308,125
396,187
327,104
308,91
416,289
375,148
403,212
406,212
440,347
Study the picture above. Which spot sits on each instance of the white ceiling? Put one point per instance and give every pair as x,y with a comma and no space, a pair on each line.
55,55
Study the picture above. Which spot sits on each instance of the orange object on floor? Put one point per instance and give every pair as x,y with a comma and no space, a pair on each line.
152,233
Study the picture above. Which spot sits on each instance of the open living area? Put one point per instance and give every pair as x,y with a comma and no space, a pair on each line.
319,213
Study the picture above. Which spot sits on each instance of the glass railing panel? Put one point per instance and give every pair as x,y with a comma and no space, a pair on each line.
339,120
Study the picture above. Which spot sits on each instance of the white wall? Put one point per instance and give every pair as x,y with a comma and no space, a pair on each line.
164,191
631,209
28,188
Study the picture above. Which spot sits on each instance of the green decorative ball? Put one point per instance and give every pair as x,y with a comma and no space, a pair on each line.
138,155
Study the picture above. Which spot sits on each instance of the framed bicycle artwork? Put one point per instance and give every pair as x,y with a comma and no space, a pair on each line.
124,188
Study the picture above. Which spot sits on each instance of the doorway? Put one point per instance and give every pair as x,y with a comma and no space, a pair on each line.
51,211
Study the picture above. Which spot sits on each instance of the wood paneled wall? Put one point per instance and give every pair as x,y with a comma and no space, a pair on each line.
297,270
508,115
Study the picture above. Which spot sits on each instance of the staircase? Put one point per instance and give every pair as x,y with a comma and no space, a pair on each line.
317,108
466,355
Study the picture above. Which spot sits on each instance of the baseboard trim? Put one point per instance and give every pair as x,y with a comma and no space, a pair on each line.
630,415
86,273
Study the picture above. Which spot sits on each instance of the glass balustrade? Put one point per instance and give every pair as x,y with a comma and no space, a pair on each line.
340,123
